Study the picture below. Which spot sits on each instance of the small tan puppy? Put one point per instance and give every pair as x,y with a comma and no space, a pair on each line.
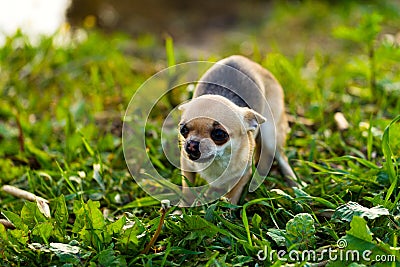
237,110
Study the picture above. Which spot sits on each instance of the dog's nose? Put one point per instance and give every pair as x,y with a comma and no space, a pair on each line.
193,149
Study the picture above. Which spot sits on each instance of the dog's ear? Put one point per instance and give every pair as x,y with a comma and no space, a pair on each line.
252,119
183,106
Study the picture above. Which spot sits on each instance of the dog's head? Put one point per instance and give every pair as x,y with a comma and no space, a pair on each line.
212,126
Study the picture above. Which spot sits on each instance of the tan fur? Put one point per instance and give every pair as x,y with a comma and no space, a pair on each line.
201,126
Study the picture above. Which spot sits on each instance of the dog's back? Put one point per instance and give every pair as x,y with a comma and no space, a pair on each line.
234,79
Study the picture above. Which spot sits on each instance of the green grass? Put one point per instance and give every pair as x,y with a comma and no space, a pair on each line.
60,137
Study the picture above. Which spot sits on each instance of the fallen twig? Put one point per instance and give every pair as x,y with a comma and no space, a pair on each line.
7,224
165,205
12,190
299,119
341,121
41,202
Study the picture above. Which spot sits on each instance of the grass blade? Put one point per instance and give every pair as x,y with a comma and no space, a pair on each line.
389,165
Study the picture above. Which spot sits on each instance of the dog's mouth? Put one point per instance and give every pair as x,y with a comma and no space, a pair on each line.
199,159
194,156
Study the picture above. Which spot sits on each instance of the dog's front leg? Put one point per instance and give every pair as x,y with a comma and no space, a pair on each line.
188,196
236,192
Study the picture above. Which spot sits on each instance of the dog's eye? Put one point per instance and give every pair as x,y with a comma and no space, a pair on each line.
219,135
184,131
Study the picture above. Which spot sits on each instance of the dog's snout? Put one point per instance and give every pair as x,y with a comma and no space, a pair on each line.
192,145
193,149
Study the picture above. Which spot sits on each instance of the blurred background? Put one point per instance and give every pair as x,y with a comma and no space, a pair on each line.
203,28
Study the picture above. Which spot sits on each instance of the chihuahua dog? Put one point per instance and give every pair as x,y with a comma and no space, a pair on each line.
237,112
